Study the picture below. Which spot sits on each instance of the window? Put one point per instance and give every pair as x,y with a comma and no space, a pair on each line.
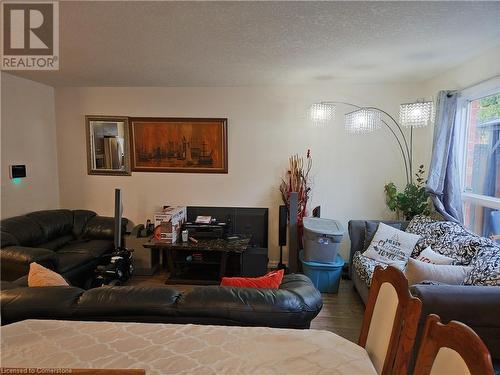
479,119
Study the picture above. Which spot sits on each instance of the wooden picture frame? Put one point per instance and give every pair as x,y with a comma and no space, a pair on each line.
179,145
96,152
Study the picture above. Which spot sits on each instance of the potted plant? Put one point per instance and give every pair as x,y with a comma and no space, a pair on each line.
413,200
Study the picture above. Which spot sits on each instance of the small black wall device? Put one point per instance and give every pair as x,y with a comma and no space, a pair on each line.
18,171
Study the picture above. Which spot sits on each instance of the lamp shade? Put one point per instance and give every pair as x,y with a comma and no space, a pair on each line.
416,115
321,113
363,121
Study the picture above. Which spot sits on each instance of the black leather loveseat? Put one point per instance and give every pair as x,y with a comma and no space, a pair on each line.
69,242
293,305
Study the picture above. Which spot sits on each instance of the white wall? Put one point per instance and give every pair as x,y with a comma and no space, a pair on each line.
474,71
265,126
28,136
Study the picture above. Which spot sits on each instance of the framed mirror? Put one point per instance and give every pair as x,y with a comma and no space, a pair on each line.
108,145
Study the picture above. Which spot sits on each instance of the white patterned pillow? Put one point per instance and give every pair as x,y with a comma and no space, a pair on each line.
430,256
391,245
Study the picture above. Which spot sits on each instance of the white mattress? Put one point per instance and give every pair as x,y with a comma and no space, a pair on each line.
179,349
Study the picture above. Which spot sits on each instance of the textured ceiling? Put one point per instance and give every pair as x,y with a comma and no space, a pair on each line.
263,43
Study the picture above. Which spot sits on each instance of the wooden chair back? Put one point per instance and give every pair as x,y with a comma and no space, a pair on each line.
452,348
390,322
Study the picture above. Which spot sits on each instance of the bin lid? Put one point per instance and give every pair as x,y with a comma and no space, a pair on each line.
339,262
323,226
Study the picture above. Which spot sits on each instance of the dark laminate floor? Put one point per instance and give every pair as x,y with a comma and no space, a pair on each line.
342,313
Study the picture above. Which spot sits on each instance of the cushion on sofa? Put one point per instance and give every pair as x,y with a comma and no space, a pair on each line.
391,245
102,228
54,223
96,248
430,256
15,260
371,228
67,259
57,242
41,276
271,280
417,271
24,229
7,239
365,267
80,219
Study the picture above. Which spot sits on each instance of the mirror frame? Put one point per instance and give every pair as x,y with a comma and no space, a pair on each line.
126,140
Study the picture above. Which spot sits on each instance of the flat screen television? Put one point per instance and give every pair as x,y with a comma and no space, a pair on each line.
240,220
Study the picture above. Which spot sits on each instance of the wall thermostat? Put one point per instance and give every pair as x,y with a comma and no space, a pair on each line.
18,171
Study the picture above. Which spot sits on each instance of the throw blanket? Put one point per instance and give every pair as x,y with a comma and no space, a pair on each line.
469,249
179,349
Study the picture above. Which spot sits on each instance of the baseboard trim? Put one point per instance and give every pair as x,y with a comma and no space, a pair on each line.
274,263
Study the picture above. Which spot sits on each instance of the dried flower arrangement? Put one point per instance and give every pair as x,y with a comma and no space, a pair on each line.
297,180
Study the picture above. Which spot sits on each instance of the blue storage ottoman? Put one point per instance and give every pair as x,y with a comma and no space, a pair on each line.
325,276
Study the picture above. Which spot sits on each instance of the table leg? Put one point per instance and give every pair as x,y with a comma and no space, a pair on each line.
170,261
155,260
223,263
164,263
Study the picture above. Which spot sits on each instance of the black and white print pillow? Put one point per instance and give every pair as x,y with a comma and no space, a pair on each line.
466,248
445,237
485,266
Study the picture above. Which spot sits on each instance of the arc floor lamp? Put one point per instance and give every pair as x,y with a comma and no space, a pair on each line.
368,119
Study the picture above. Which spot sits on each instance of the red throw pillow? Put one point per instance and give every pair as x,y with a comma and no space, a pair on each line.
271,280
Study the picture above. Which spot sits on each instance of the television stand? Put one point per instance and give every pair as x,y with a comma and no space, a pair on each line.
202,263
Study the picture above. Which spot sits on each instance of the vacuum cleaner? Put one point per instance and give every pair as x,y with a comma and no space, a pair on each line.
118,266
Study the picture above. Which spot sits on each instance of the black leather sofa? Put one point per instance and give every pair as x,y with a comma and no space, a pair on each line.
293,305
476,306
69,242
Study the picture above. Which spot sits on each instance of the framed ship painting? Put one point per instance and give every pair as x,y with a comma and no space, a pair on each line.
190,145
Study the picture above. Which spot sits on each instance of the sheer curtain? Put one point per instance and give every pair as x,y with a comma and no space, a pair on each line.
491,187
443,183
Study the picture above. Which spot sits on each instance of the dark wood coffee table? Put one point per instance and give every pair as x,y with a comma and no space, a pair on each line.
207,268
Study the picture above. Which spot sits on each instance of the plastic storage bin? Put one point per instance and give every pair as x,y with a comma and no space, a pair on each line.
325,276
321,239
